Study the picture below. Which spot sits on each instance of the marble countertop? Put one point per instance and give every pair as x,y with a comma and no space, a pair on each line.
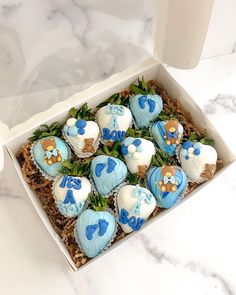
191,250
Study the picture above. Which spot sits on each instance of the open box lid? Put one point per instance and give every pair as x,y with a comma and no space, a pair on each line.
180,30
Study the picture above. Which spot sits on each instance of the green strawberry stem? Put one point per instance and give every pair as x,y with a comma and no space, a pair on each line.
112,151
98,202
47,130
162,159
134,179
84,113
141,133
143,88
75,168
204,139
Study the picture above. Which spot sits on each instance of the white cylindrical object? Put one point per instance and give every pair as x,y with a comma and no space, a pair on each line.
181,28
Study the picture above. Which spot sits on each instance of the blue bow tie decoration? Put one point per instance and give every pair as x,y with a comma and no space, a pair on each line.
172,134
140,195
49,154
115,110
170,180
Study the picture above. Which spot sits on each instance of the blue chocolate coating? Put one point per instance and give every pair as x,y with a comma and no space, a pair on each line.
165,199
94,231
107,172
39,155
145,108
158,132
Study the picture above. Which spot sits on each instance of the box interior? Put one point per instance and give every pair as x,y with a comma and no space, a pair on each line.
95,95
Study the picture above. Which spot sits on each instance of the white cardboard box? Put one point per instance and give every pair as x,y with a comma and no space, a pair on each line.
150,69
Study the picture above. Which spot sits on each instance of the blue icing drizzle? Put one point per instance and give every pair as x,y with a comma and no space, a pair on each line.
70,210
94,241
41,156
158,132
165,199
145,108
112,174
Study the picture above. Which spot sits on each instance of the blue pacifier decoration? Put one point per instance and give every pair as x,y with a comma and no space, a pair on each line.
167,184
48,153
145,108
168,135
94,231
107,173
70,194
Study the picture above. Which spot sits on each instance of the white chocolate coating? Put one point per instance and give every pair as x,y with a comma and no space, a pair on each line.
125,200
104,119
80,195
140,158
196,164
78,142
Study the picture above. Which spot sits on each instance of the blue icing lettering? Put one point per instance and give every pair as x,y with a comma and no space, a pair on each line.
41,156
106,134
90,230
69,197
134,222
107,172
166,199
145,109
158,131
115,110
98,238
70,210
116,135
70,182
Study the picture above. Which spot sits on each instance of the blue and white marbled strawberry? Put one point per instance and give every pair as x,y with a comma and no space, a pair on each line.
94,231
107,173
145,108
168,184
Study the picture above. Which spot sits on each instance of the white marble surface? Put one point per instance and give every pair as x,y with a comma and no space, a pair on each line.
64,46
191,250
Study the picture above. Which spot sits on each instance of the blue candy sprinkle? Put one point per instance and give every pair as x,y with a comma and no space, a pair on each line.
81,131
187,145
124,150
137,142
72,131
128,141
197,145
186,157
80,123
197,152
